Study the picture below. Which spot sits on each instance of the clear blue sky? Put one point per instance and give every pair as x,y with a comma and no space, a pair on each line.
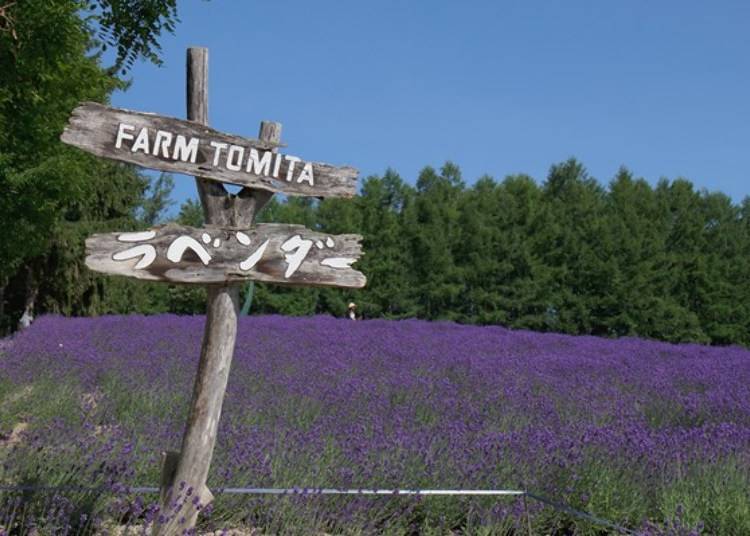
497,87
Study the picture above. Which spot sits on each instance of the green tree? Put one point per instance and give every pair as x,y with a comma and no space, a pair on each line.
433,231
681,273
131,27
504,277
577,251
191,213
480,254
381,207
48,64
636,230
157,200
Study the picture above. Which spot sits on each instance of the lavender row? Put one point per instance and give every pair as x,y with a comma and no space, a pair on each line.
625,428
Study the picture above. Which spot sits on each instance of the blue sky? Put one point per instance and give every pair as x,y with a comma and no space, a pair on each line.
497,87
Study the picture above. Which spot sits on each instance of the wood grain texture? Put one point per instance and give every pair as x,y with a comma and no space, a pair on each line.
94,128
216,256
169,461
217,349
202,425
241,209
212,194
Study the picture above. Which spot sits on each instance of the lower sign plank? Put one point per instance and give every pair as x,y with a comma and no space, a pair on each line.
275,253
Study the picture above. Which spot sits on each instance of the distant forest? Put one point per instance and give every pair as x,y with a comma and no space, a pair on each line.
570,255
567,255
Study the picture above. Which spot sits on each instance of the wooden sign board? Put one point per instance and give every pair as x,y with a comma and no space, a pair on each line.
179,146
275,253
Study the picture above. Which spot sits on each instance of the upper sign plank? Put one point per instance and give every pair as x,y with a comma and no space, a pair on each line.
271,252
179,146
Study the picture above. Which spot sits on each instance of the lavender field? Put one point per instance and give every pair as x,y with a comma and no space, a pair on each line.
650,435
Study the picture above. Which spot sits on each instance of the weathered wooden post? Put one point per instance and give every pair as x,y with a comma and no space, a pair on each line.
229,249
194,459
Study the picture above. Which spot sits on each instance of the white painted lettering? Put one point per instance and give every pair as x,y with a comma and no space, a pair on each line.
122,134
277,165
184,150
290,170
141,142
161,143
178,246
294,260
259,166
136,237
306,175
218,146
235,152
146,252
242,238
338,262
253,259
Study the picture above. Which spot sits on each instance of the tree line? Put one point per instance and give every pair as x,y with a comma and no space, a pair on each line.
569,254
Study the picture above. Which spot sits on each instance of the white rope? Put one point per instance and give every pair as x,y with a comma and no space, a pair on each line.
335,491
286,491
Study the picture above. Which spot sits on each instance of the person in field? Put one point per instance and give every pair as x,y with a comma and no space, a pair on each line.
352,314
26,319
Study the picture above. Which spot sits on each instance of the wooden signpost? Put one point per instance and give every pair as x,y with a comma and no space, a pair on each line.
275,253
179,146
229,249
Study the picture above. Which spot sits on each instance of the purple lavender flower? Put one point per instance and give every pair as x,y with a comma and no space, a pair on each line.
613,426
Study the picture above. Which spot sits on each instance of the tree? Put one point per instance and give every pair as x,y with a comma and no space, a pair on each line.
191,213
681,272
636,230
132,27
481,255
48,64
157,200
432,228
380,209
504,278
577,251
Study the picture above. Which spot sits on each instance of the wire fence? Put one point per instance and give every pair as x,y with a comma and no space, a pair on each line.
359,491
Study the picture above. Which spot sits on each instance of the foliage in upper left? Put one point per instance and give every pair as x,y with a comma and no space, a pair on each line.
52,195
